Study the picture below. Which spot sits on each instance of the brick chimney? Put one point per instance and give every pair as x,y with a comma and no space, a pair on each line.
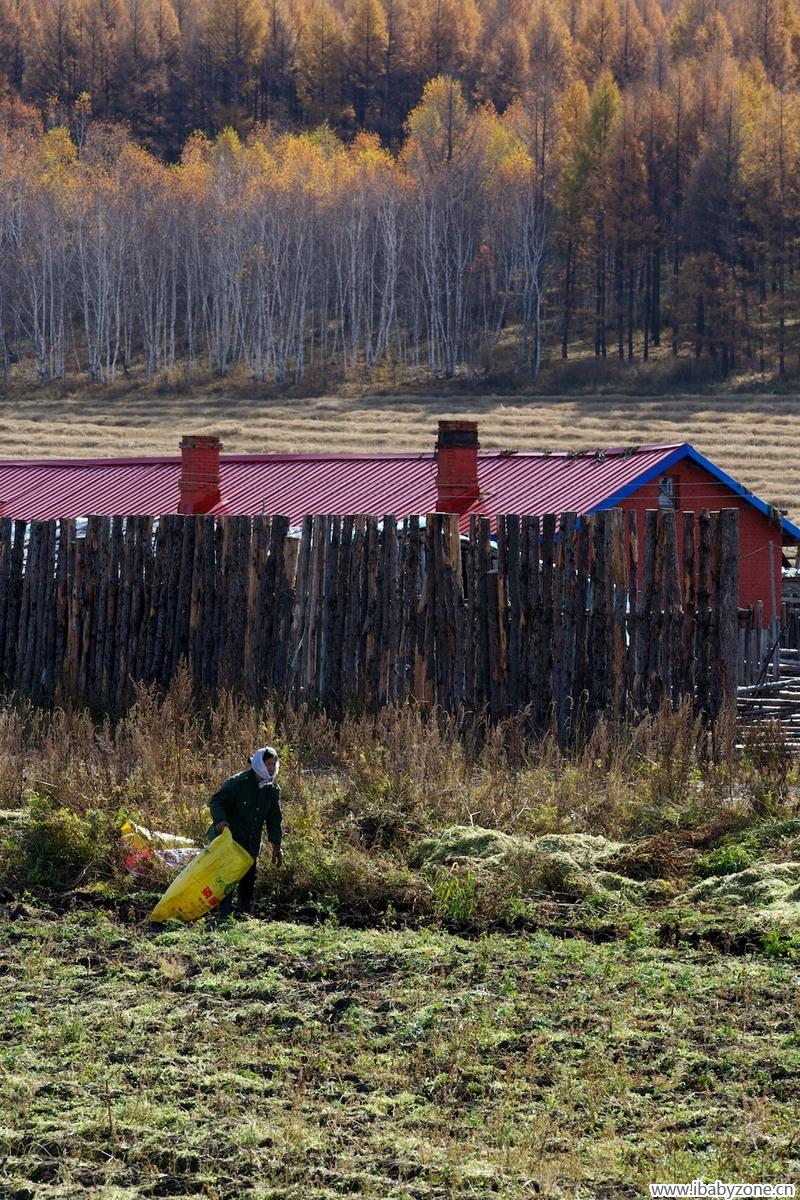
457,466
199,483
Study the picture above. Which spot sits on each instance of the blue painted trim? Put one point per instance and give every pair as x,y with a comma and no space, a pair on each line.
687,451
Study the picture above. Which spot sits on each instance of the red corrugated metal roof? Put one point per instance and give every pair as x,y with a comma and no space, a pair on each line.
297,484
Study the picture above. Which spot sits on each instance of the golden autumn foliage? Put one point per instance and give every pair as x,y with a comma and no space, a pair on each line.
287,187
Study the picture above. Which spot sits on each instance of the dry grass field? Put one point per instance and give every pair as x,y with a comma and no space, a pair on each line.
754,437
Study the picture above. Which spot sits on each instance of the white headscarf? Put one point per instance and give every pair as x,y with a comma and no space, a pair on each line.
260,767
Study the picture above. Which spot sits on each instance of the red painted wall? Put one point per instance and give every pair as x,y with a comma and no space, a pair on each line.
696,490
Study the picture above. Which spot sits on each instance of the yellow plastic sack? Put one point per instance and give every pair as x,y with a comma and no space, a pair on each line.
207,879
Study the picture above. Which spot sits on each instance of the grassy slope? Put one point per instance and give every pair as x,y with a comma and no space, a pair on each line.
754,437
274,1060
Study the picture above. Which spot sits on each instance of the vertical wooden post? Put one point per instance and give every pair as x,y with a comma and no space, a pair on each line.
581,674
30,616
286,550
5,583
689,591
207,605
88,615
655,663
632,556
341,585
599,619
46,666
373,579
75,617
115,552
391,609
421,676
184,567
197,601
728,601
533,617
472,634
487,628
157,633
715,647
28,570
411,572
515,616
352,622
259,614
148,572
142,584
545,663
648,597
671,604
565,618
703,622
16,578
327,644
619,602
103,576
66,537
502,664
456,608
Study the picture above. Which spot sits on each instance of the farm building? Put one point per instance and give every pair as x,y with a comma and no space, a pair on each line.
455,476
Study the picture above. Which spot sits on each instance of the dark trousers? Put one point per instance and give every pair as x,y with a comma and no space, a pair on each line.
245,890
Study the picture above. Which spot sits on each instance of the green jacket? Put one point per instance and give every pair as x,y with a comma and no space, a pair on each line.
248,808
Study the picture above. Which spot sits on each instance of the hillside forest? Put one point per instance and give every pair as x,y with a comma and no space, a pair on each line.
332,189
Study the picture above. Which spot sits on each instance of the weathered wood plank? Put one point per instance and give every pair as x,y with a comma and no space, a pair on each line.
327,645
47,637
703,624
545,649
515,611
66,538
728,601
181,637
672,606
566,627
533,604
632,569
689,607
646,600
100,620
285,550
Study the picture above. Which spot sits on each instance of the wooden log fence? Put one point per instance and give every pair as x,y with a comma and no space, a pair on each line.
561,619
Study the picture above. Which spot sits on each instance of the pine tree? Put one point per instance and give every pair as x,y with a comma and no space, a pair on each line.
367,42
234,33
599,38
321,57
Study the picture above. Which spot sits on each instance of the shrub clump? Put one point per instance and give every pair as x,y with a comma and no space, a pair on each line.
57,847
725,860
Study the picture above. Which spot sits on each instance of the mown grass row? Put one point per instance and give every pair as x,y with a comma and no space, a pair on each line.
751,436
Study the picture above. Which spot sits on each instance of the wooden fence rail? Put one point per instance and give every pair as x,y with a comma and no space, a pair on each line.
566,620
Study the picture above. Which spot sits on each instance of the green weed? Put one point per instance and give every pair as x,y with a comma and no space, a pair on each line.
725,860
